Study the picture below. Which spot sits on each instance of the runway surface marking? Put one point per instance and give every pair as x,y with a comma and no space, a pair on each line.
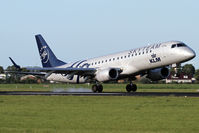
49,93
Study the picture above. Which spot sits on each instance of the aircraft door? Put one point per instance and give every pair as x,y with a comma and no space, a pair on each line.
164,56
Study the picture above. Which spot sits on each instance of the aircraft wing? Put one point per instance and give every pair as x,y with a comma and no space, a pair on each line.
27,73
19,70
47,70
16,66
68,70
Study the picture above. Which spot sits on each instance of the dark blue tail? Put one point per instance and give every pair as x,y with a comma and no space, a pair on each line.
48,58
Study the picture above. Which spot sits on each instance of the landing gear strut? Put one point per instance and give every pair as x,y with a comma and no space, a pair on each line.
131,87
97,88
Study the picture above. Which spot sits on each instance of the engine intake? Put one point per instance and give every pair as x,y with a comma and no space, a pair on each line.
107,74
158,74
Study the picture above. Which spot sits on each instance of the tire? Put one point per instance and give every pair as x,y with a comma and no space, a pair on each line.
94,88
128,88
134,87
99,88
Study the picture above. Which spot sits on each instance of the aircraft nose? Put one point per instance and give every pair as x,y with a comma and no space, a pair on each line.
190,54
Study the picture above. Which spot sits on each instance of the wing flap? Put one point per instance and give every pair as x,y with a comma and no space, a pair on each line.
68,70
27,73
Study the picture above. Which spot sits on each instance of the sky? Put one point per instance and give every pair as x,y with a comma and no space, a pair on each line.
81,29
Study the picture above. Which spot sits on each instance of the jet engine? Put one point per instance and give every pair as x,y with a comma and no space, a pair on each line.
158,74
103,75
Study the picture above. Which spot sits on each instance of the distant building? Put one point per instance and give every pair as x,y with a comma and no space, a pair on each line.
138,77
30,77
180,79
2,77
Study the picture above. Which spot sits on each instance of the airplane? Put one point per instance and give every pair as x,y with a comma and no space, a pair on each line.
151,60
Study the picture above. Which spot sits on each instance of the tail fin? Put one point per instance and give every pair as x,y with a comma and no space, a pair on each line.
48,58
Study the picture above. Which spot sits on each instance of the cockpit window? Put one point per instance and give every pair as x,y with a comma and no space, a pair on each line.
178,45
173,46
181,45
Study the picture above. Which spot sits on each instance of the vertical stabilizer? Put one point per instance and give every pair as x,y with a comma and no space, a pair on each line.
47,56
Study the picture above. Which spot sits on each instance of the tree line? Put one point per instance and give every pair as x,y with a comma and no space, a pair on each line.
13,77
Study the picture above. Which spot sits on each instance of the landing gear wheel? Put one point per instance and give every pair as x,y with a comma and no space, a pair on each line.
97,88
134,87
94,88
128,88
131,87
100,88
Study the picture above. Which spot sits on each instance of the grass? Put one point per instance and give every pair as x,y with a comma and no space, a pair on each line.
107,87
69,114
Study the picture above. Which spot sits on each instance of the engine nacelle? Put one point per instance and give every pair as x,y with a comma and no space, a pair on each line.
158,74
106,74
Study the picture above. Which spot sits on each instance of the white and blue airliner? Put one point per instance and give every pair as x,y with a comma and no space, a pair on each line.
151,60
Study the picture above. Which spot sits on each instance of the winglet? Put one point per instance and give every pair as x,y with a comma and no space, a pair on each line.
16,66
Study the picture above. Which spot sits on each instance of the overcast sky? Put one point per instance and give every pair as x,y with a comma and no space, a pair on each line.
79,29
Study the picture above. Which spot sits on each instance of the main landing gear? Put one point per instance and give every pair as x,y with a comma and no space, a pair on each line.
97,88
131,87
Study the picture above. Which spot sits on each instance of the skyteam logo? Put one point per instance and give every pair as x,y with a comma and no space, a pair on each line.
153,55
44,54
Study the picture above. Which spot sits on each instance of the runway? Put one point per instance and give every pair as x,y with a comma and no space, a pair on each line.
49,93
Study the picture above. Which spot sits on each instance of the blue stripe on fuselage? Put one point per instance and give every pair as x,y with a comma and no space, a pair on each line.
80,63
76,67
74,63
86,64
